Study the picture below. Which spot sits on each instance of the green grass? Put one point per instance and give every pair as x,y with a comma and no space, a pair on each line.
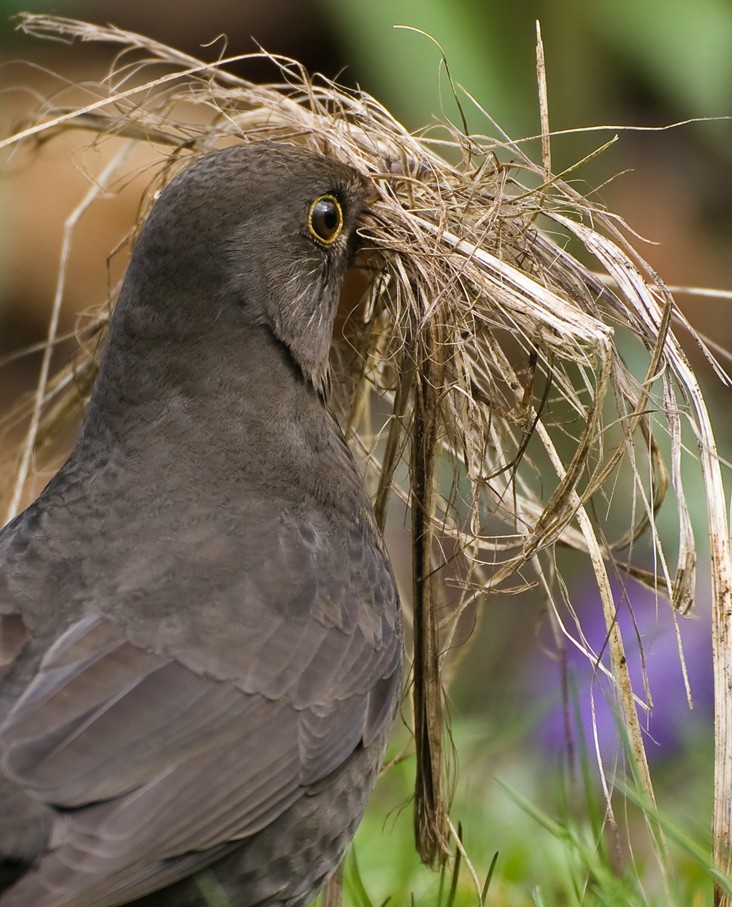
543,839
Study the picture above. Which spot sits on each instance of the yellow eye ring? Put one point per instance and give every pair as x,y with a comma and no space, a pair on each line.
325,219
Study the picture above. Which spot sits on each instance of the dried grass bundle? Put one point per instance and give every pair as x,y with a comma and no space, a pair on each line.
484,354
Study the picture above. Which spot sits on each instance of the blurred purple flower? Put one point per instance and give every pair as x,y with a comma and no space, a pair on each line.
670,723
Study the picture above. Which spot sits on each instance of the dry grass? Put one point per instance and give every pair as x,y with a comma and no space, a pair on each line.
494,349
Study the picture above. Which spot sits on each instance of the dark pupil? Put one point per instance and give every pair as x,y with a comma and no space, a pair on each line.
326,219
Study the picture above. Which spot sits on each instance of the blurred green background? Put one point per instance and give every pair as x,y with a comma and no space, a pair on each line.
609,62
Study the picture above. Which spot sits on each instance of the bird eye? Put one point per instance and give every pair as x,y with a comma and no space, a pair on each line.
325,220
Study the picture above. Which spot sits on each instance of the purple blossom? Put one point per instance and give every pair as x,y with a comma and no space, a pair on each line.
650,638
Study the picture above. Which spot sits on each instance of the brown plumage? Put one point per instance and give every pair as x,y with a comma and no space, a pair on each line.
200,641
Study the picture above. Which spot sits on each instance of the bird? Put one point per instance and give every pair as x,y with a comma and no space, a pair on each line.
201,645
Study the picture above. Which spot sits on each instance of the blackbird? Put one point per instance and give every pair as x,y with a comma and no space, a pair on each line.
200,636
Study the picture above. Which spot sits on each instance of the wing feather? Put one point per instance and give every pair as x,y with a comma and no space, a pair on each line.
164,746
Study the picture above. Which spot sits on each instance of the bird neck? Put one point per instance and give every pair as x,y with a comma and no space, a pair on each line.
216,386
218,406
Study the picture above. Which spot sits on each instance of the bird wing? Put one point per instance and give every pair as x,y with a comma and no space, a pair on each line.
162,746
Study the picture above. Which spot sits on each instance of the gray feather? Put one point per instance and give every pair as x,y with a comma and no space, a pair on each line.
200,640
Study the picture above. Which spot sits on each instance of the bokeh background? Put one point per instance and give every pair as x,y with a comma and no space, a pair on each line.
610,63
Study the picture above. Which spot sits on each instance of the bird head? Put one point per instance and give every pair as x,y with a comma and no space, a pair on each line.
255,234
